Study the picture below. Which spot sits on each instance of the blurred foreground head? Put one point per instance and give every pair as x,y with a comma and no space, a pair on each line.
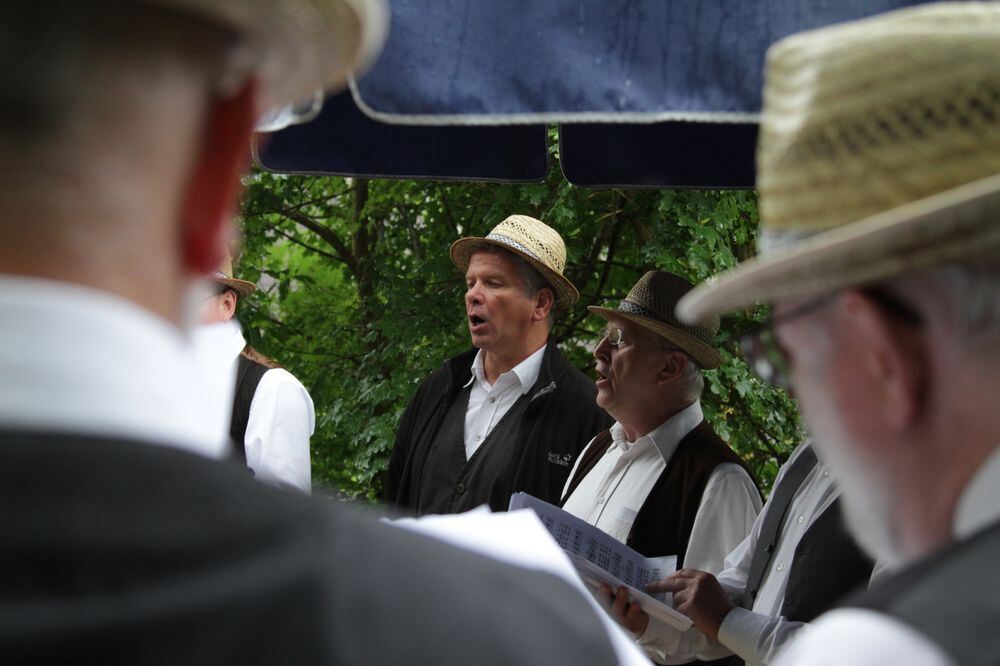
879,178
125,126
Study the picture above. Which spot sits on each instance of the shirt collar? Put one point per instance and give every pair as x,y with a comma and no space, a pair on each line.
664,437
524,374
77,360
979,505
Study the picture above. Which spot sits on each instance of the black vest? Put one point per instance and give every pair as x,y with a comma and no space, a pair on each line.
248,376
664,522
450,483
828,565
951,598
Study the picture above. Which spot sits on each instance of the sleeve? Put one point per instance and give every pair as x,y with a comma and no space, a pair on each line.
861,638
728,509
667,645
281,421
401,449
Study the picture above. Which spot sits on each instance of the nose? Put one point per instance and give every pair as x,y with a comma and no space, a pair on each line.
602,351
473,296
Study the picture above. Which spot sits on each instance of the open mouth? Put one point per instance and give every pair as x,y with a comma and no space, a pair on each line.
476,323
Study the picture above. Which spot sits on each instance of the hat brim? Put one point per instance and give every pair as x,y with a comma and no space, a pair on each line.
304,45
944,228
242,287
566,294
707,356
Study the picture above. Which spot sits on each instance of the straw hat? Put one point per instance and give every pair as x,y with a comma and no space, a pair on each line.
298,46
224,275
651,303
532,240
879,155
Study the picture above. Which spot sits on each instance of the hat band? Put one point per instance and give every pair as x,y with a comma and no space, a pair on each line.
632,308
507,240
220,274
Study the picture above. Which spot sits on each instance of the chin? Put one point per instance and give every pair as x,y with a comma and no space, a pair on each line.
867,498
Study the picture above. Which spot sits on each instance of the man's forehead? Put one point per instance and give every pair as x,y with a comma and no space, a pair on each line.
632,329
492,260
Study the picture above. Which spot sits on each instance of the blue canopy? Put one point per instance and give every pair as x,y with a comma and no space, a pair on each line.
656,93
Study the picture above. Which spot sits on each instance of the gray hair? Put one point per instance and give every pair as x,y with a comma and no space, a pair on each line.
692,382
967,295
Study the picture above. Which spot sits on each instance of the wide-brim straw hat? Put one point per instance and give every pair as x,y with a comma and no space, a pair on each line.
879,155
225,277
532,240
298,46
651,304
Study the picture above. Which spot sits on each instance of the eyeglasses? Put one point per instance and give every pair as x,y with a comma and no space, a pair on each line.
613,334
764,353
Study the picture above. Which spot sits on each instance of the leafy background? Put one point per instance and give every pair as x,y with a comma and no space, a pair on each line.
359,298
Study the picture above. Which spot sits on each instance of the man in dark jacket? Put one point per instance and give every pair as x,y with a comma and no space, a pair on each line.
513,414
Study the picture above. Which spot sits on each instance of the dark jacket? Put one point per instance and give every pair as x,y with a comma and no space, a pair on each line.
560,419
121,552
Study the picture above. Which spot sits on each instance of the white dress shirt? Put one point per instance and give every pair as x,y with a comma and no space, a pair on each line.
488,403
755,635
612,493
282,417
868,638
82,361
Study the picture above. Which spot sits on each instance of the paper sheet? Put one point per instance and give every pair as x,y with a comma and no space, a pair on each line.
519,539
600,558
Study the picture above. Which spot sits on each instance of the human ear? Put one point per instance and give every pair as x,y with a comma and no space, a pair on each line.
889,358
672,366
211,196
544,302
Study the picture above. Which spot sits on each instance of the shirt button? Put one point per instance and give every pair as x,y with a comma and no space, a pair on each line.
493,400
780,567
600,500
826,473
460,488
478,437
802,519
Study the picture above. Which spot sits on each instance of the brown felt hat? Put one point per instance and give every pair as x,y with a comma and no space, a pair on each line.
532,240
651,303
879,155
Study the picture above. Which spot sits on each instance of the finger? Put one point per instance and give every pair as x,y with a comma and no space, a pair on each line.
621,602
685,573
665,585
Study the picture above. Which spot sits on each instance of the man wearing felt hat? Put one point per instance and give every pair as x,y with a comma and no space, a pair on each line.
660,479
511,414
126,129
272,413
879,176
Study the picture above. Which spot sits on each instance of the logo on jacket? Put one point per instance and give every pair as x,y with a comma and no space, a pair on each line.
561,459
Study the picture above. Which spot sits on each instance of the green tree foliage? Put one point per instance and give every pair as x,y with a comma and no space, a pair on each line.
360,299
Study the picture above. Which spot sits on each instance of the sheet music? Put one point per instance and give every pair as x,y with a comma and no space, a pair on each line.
600,558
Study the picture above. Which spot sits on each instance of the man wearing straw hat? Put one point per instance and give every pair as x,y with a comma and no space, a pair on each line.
272,413
879,176
511,414
126,128
660,480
